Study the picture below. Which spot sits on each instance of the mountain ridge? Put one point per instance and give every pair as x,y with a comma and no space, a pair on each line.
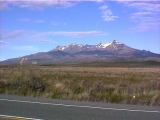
107,52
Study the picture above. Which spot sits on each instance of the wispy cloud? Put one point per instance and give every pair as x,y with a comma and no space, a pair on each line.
152,6
146,16
26,48
35,4
3,5
28,20
43,36
29,40
40,4
72,33
146,26
5,35
146,21
3,42
107,14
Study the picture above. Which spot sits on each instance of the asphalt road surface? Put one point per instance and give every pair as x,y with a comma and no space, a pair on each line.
46,109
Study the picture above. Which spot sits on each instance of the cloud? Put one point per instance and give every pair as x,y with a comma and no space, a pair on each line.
146,15
3,42
72,34
26,48
32,38
42,4
5,35
146,26
39,4
152,6
3,5
43,36
107,14
28,20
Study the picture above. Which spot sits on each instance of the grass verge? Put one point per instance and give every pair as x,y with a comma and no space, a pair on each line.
112,85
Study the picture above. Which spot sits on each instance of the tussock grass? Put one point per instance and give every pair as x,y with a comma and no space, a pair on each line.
113,85
13,118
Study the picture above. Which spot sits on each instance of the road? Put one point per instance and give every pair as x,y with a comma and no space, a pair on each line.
47,109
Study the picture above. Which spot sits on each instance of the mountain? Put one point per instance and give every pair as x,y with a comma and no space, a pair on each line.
75,53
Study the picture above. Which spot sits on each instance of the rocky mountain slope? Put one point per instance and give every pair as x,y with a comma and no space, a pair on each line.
108,52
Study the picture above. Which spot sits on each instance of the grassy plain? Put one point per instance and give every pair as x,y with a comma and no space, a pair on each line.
11,118
105,84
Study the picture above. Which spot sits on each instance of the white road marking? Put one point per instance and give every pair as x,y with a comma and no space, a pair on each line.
79,106
11,116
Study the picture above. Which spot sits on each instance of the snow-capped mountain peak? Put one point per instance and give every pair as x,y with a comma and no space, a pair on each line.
86,53
103,45
116,42
70,46
60,48
80,47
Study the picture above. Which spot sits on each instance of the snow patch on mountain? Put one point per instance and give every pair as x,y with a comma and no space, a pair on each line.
103,45
114,43
62,48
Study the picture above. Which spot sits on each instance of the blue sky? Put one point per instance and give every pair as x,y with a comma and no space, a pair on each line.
30,26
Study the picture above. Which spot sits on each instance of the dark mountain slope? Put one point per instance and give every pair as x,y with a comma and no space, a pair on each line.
75,53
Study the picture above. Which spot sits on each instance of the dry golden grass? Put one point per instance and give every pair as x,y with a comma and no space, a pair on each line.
100,69
13,118
115,85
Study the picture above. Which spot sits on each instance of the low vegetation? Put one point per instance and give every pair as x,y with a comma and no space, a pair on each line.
105,84
11,118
